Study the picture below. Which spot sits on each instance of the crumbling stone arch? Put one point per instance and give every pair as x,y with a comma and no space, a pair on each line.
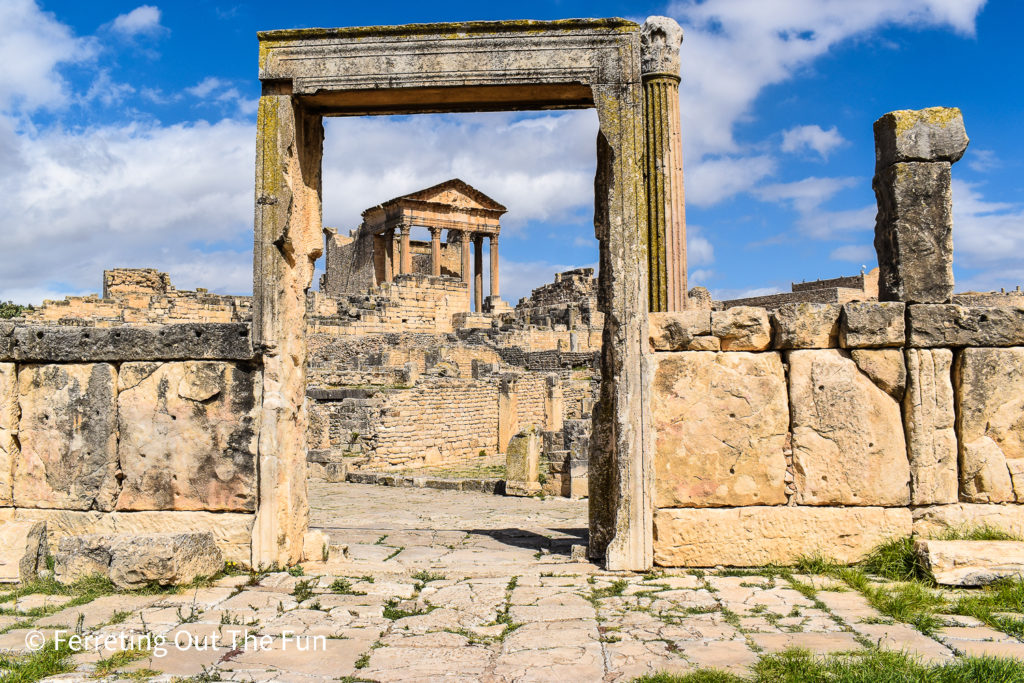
458,67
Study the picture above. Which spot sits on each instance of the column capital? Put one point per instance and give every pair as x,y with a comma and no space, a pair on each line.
494,238
434,231
660,38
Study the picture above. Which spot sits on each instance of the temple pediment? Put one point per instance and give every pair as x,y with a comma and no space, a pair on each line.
455,193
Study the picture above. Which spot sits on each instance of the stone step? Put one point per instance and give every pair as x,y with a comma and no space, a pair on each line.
971,563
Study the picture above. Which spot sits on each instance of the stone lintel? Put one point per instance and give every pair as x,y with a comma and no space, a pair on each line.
933,325
183,341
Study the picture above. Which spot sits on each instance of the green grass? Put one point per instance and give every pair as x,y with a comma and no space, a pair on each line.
49,661
109,665
868,666
344,587
911,603
617,588
393,612
896,560
980,532
303,590
425,576
985,603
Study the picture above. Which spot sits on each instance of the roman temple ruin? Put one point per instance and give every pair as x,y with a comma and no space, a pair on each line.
703,433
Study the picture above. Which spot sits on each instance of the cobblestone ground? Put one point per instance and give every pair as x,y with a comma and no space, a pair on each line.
457,586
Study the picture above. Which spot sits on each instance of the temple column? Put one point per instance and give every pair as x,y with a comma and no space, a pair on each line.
465,258
494,266
478,272
660,39
435,251
389,255
405,260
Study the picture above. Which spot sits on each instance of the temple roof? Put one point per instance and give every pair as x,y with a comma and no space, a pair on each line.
455,193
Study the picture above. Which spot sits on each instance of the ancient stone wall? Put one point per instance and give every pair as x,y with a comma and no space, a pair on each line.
828,429
131,429
145,296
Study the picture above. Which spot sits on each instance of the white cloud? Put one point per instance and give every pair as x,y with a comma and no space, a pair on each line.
854,253
541,168
982,160
33,44
714,180
985,234
205,87
814,138
807,197
699,251
178,198
143,20
737,47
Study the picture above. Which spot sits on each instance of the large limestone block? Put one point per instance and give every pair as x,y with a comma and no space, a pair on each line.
68,436
742,328
971,563
930,418
139,560
755,536
931,325
990,424
848,443
806,326
872,324
932,134
934,520
885,367
232,531
676,331
188,436
22,550
720,423
8,397
8,455
522,464
914,232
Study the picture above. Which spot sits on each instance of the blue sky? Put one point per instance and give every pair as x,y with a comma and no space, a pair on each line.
127,136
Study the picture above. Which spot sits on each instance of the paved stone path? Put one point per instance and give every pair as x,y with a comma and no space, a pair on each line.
458,586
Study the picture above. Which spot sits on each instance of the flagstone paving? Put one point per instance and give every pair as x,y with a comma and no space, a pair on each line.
460,586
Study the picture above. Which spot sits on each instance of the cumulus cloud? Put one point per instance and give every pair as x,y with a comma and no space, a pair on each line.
699,251
33,44
807,197
541,167
143,20
986,234
983,160
713,180
178,198
814,138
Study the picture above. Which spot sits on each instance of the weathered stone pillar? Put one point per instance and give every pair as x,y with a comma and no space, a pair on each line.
435,251
405,267
288,242
494,266
914,152
466,276
660,39
478,272
389,255
554,404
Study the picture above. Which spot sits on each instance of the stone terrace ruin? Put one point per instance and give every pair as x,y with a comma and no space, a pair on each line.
741,436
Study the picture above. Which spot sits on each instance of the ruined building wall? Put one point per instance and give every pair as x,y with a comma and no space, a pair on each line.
130,430
823,428
143,296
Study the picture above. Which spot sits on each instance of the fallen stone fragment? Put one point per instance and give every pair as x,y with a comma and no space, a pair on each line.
136,560
22,550
971,563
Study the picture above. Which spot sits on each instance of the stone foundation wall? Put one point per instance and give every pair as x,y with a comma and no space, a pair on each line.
131,429
820,428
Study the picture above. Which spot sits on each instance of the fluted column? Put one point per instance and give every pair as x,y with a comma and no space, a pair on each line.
660,39
405,260
494,266
435,251
389,255
478,272
466,276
